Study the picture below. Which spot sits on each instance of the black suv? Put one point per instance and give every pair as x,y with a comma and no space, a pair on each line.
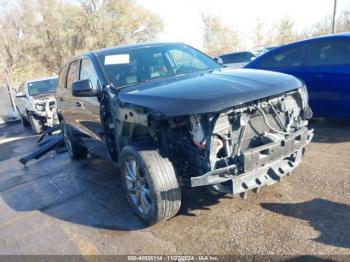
171,116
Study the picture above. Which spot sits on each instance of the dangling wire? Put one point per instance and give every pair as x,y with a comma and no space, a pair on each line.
273,129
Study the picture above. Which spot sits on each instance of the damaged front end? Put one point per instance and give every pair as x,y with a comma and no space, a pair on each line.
241,148
45,109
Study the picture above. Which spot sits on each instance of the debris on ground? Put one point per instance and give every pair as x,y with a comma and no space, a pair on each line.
51,139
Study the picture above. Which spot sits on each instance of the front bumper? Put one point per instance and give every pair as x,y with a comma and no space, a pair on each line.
263,165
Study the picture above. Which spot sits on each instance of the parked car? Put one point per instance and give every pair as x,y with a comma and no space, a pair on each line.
261,51
323,63
237,60
36,103
171,116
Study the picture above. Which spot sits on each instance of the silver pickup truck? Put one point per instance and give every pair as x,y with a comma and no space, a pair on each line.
36,103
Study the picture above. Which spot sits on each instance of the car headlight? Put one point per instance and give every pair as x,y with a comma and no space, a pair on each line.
40,107
304,96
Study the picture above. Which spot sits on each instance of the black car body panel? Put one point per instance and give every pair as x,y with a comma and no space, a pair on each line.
208,92
231,130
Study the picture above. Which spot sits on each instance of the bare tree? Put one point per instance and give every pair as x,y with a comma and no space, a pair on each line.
324,26
263,36
217,37
114,22
285,32
37,36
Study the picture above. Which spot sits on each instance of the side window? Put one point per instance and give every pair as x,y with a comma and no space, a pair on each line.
237,57
329,53
62,78
290,57
227,59
87,71
72,74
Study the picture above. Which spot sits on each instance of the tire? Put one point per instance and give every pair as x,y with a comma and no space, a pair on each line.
24,121
150,183
37,127
74,148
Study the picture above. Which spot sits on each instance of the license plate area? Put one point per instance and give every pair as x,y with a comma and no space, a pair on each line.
260,156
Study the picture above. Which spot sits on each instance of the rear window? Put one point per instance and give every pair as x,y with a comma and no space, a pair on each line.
329,53
237,57
42,87
289,57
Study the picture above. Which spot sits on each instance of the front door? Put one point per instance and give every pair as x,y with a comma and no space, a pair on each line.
88,110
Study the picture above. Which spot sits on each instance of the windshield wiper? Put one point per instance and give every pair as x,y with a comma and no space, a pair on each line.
132,84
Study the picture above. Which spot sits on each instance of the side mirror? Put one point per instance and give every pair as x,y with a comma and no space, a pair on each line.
83,88
20,94
219,60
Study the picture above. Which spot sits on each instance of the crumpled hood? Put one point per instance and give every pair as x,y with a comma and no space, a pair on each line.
208,92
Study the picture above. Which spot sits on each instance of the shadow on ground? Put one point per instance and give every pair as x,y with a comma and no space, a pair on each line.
330,130
308,258
331,219
86,192
198,198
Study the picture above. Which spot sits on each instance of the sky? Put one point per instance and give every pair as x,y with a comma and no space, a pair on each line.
182,21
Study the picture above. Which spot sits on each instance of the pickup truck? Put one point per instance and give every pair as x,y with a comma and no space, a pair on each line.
170,116
36,103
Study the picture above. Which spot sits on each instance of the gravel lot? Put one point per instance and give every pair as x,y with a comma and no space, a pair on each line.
59,206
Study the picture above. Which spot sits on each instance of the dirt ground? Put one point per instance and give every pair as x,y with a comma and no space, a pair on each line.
59,206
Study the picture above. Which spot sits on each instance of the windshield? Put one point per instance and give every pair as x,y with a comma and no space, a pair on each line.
144,64
42,87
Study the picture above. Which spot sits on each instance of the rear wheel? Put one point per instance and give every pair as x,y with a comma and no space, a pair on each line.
36,125
150,182
74,148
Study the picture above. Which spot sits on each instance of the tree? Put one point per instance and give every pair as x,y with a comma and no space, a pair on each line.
62,32
262,36
285,32
324,26
17,32
115,22
217,37
38,36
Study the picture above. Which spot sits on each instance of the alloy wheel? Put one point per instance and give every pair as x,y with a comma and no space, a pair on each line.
137,186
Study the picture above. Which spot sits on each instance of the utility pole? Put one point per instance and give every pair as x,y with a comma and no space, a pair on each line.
334,12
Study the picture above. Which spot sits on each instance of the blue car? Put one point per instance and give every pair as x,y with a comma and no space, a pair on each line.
324,65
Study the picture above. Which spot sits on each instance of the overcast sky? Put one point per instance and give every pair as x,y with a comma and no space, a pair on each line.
182,21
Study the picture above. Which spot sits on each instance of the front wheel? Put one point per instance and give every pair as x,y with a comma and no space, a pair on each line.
35,124
74,148
24,121
150,182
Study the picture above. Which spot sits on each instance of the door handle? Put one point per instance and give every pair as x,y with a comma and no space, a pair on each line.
78,104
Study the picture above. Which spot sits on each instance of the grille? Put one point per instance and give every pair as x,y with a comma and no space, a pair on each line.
256,127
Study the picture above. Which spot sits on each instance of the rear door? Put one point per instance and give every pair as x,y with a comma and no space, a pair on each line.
66,102
328,77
